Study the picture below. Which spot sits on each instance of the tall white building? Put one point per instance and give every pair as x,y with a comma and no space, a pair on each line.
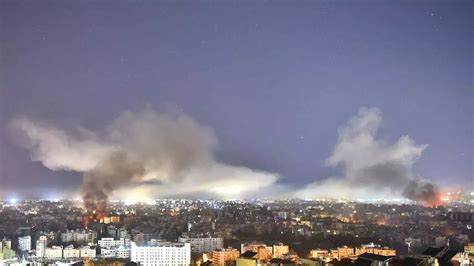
41,244
161,254
203,244
24,243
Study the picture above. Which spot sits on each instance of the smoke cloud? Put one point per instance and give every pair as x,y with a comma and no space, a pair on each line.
141,155
372,167
148,154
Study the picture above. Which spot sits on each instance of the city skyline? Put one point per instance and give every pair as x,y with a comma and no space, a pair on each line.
271,95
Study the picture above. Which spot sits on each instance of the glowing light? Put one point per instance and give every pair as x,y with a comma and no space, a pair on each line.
13,200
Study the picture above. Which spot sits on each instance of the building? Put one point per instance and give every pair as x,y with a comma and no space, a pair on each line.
263,251
24,243
6,253
84,236
203,244
116,252
375,249
7,243
54,252
469,248
281,262
111,219
109,243
321,254
279,250
311,262
67,237
461,216
373,259
88,252
70,252
161,254
41,245
79,236
248,258
222,257
442,255
343,252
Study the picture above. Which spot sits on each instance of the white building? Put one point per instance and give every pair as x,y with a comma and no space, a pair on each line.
162,254
203,244
54,252
71,252
109,242
115,252
41,245
88,252
24,243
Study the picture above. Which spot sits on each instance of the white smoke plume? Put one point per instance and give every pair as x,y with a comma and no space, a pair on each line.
141,155
373,167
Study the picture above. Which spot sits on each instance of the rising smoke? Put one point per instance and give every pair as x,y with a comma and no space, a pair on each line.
372,167
140,155
148,154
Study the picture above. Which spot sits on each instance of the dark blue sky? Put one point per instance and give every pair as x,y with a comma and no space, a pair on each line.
274,79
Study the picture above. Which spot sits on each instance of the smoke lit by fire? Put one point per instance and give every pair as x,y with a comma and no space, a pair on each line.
160,153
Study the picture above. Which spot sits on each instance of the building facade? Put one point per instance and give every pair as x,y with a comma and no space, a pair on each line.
203,244
222,257
24,243
161,254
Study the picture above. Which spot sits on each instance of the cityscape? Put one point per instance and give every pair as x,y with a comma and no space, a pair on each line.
236,133
257,232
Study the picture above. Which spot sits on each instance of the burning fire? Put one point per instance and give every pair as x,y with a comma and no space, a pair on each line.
92,217
434,201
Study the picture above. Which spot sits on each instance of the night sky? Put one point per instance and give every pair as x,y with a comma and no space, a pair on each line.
273,79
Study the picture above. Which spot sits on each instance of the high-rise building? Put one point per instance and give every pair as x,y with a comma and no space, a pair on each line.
41,244
24,243
161,254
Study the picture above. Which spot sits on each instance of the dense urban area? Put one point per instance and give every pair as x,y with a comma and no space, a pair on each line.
258,232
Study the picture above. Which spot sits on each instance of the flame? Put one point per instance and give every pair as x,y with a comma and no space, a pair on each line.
93,216
435,201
